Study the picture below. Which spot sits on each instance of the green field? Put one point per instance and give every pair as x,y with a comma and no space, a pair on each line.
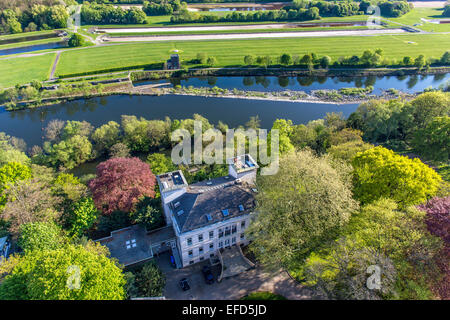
29,43
413,17
231,52
23,70
25,34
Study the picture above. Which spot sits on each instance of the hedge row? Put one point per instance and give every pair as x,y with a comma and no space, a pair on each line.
148,66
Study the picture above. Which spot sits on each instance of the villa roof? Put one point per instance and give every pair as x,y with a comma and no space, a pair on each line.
211,201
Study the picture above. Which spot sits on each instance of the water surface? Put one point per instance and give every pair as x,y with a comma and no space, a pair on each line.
29,124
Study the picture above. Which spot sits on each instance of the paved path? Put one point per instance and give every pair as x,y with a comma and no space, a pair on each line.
232,288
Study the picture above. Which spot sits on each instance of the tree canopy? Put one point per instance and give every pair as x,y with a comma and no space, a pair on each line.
298,207
380,173
72,272
120,183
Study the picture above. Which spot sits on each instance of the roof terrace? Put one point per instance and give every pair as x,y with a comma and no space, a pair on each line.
243,163
172,181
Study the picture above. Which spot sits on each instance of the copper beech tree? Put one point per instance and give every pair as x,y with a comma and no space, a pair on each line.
120,183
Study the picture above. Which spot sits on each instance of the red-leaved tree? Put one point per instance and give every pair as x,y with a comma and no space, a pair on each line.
120,183
438,223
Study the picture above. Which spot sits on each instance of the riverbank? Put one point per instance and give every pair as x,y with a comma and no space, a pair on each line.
327,96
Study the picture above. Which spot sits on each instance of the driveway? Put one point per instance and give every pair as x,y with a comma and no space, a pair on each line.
230,288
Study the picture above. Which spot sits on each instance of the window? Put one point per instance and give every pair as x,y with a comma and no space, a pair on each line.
242,236
191,262
220,233
211,234
233,240
189,241
243,224
227,242
200,237
227,231
190,253
211,246
220,244
202,258
211,255
233,228
200,250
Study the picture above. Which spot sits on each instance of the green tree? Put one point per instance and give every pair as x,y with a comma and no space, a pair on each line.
325,62
40,236
81,217
106,136
9,174
51,275
429,105
211,61
76,40
381,234
380,173
150,280
249,59
299,207
286,59
284,128
12,150
433,141
159,163
70,152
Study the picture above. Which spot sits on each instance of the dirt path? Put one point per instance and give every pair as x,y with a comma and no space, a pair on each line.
55,63
257,35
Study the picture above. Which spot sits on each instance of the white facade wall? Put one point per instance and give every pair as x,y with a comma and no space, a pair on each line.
186,247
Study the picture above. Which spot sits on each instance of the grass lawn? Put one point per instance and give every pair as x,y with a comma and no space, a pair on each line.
23,70
413,17
232,52
26,34
29,43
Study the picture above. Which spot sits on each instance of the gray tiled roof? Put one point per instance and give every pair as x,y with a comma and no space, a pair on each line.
202,199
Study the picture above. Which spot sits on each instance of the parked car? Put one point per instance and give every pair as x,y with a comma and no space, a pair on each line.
209,278
184,284
5,245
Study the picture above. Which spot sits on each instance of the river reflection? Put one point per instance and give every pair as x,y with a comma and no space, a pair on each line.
409,83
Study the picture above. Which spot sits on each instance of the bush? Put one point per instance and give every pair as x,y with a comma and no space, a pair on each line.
263,295
76,40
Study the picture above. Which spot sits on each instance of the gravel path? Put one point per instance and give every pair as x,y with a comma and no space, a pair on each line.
428,4
257,35
200,28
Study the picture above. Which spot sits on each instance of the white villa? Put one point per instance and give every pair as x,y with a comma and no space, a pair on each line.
209,215
203,219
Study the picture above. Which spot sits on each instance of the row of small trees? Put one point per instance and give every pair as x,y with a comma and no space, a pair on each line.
367,59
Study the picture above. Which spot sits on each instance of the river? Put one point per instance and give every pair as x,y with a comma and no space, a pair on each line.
28,124
410,83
